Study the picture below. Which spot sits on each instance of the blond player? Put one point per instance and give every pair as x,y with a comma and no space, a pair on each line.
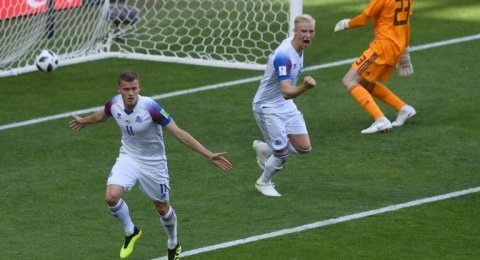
387,51
282,124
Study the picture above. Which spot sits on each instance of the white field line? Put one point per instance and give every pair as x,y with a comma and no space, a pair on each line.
328,222
232,83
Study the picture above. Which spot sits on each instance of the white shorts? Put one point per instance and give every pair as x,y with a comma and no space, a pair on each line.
276,127
154,181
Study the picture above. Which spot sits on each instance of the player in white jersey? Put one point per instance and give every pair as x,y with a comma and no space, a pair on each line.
142,157
282,124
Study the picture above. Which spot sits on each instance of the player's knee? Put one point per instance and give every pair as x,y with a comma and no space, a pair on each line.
111,200
346,82
302,147
304,150
352,79
349,81
162,207
282,154
350,85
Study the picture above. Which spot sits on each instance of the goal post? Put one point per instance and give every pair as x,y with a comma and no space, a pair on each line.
222,33
296,9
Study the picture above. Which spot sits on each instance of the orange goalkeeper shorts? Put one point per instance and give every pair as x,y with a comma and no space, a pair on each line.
371,67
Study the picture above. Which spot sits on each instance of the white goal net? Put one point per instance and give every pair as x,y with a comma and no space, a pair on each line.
226,33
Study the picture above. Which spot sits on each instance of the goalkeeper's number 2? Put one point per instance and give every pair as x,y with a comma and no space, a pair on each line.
402,12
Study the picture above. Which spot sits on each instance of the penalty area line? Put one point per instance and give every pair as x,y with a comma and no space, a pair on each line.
235,82
329,222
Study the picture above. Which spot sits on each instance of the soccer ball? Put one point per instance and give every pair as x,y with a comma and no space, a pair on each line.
46,61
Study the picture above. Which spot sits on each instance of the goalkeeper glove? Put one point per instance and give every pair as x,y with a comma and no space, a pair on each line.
404,66
341,25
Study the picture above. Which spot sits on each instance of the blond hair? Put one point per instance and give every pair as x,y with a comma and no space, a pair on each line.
304,18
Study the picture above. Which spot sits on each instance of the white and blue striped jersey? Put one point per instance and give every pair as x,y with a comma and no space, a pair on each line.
285,63
142,135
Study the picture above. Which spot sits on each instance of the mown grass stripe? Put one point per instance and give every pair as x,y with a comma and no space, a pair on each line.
329,222
232,83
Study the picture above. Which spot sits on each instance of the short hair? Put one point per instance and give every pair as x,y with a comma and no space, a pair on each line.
304,18
128,76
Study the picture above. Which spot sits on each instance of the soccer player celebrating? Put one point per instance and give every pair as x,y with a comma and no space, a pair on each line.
142,157
277,116
388,50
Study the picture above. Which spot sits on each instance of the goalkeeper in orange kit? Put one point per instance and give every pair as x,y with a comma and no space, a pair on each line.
387,51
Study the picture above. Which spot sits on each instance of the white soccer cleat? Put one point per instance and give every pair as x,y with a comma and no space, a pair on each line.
263,152
266,189
405,113
381,125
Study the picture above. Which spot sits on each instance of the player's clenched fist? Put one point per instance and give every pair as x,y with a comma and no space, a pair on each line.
309,82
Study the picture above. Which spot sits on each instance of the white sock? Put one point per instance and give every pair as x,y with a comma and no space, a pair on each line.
169,223
121,212
272,166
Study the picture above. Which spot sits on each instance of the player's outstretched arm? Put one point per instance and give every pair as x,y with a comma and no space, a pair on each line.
78,122
357,21
192,143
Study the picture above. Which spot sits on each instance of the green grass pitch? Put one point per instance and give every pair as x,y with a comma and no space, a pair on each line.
53,179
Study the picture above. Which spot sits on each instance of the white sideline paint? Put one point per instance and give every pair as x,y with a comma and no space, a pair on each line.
328,222
233,83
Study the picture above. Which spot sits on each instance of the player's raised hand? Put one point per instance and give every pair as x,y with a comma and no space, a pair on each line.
220,160
341,25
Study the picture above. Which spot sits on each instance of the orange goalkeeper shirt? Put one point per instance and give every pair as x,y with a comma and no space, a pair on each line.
391,26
